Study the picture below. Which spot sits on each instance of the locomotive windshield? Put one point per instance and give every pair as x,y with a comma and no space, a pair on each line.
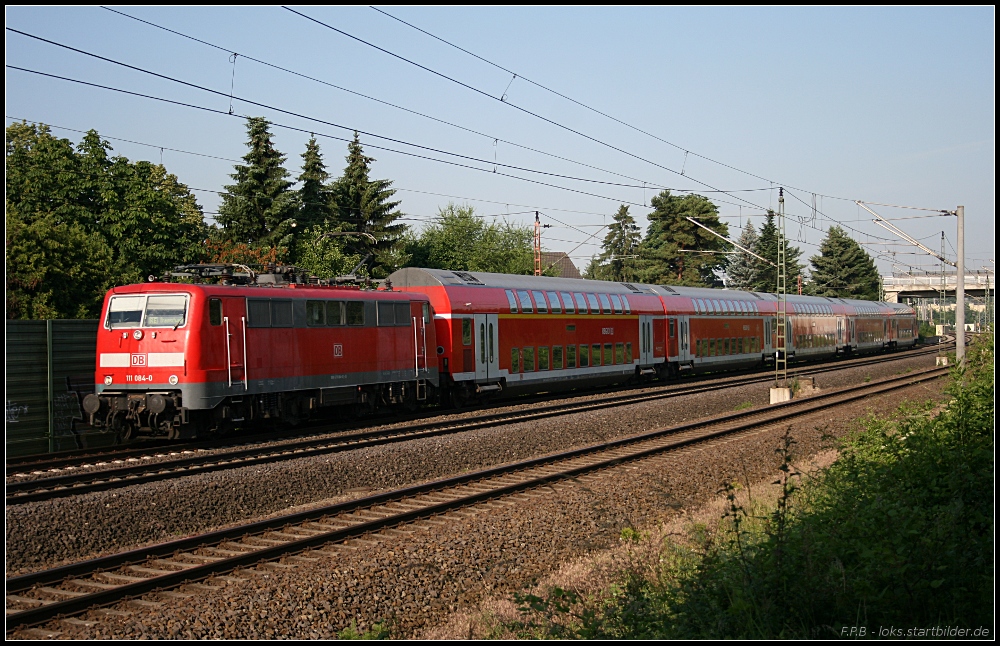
147,311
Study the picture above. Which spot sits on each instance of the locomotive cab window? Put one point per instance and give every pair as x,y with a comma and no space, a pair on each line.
165,311
426,309
214,311
125,311
385,313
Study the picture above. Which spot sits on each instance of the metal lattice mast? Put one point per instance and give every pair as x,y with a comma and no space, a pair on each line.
944,283
781,355
538,246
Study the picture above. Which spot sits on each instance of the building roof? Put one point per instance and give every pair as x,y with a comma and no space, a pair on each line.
560,261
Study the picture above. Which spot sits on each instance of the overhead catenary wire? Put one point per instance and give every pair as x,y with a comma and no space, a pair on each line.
678,147
515,106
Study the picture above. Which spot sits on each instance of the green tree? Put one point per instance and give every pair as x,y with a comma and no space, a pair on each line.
842,269
364,205
55,269
463,241
767,247
259,209
678,252
315,198
742,268
134,219
619,252
323,252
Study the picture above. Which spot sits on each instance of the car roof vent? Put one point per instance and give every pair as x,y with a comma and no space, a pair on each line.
632,287
668,288
467,277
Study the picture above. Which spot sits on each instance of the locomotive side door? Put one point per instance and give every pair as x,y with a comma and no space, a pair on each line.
234,321
645,340
486,346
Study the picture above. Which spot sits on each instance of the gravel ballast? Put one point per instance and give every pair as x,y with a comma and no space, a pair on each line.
414,580
48,533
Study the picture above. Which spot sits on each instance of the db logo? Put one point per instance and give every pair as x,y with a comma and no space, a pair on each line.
338,350
138,360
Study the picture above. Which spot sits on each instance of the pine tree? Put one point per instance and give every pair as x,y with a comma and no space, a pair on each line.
259,209
843,269
767,247
620,249
742,268
364,206
678,252
314,196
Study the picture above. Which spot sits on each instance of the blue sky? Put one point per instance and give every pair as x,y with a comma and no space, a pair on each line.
892,105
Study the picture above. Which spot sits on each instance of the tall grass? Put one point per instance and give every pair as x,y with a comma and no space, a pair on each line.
897,532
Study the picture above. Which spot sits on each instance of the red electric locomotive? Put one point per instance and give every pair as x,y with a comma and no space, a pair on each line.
181,359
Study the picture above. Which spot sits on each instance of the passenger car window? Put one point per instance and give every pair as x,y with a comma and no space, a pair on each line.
554,302
525,301
594,307
628,308
605,303
466,331
542,308
617,303
511,301
581,303
567,302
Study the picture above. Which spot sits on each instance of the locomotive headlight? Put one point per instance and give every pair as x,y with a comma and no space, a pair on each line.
172,379
137,334
108,380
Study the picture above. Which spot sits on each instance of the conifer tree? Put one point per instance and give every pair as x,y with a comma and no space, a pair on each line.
618,257
365,206
314,196
678,252
742,268
767,247
259,209
842,269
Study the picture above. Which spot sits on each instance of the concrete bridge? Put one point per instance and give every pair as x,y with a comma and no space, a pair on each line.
901,286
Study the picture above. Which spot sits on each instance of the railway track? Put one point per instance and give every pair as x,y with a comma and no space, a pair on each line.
67,590
146,450
138,472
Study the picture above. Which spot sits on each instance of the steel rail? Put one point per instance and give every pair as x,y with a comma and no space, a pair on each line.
363,522
102,480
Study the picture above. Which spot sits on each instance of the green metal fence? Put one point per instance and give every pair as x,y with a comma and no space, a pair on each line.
49,370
